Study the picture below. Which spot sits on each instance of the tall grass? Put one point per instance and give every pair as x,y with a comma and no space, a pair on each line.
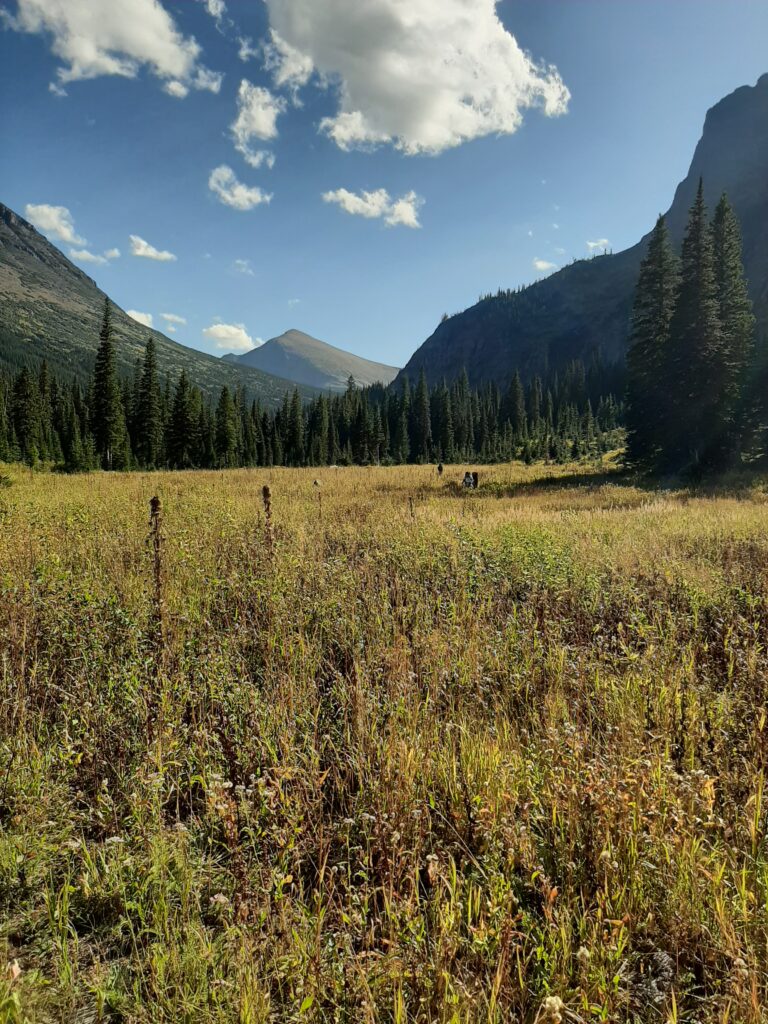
397,753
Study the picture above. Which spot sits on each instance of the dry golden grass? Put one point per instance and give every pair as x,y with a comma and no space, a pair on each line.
405,755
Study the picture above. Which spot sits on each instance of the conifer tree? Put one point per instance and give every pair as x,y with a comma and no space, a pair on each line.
226,430
181,426
422,422
402,438
108,415
26,417
517,407
5,421
444,432
736,319
295,435
149,416
647,392
695,364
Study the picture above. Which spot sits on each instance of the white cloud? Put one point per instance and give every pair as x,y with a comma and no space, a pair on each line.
84,256
560,250
543,266
257,112
230,337
425,75
140,318
367,204
294,302
92,38
556,227
247,49
148,252
403,211
290,67
217,10
55,221
601,243
176,89
207,80
173,318
243,267
224,183
530,234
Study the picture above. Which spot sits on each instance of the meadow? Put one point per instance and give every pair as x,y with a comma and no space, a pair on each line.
388,753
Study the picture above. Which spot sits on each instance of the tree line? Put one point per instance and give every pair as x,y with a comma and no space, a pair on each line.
693,401
693,395
146,423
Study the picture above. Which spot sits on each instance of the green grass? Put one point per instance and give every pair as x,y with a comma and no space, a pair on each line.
471,758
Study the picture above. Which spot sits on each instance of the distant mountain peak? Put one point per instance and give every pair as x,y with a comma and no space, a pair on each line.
302,358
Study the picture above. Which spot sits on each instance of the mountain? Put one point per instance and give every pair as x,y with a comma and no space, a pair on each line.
583,310
49,309
304,359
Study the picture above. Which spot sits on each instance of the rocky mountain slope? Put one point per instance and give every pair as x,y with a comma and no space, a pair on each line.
584,309
49,309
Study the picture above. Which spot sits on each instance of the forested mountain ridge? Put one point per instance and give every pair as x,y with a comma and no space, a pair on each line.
582,311
306,360
50,310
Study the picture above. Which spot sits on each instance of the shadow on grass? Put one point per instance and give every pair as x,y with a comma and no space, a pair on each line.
740,483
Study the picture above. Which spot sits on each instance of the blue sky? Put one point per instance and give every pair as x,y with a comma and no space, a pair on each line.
389,160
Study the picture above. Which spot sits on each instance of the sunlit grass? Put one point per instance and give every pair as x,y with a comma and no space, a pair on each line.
432,756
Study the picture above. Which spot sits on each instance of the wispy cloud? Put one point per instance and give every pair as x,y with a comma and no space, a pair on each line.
230,337
243,267
140,318
86,256
379,204
54,221
217,10
92,38
257,112
543,266
142,248
600,243
223,182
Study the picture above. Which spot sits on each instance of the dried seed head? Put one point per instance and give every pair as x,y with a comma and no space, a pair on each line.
552,1009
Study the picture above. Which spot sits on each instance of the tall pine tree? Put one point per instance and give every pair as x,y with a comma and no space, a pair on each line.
648,400
149,417
695,364
737,322
108,415
422,424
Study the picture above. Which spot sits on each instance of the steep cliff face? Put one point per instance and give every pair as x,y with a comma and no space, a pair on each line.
50,309
584,309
